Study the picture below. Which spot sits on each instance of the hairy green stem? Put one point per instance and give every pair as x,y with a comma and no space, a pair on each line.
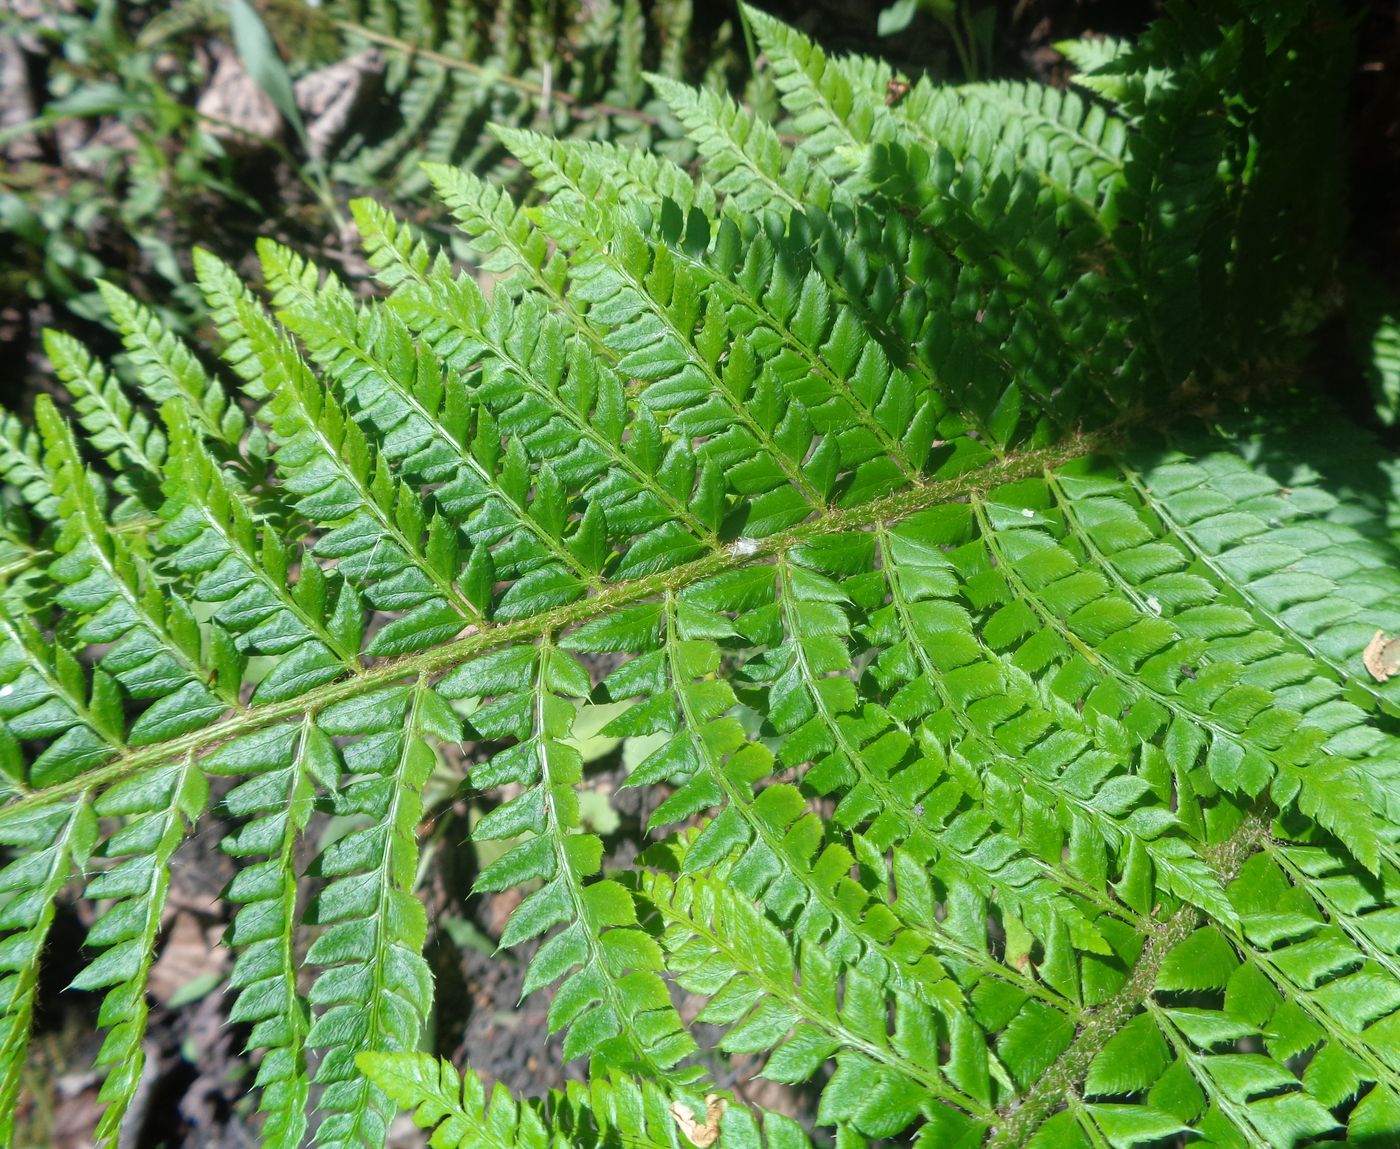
1017,1122
486,636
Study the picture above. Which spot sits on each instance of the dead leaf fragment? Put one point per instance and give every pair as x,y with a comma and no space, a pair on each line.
17,104
329,98
895,91
190,952
701,1135
240,114
1382,656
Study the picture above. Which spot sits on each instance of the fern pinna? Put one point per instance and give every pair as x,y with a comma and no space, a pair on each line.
1020,779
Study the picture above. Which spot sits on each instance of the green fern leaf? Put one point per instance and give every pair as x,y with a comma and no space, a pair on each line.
1018,746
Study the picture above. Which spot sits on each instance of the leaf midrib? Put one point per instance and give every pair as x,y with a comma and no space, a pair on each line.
481,637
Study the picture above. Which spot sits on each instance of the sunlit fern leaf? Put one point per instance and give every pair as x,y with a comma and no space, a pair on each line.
1013,771
167,368
462,1116
59,840
129,442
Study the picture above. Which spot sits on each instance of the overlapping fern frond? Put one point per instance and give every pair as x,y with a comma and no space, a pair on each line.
452,70
1022,780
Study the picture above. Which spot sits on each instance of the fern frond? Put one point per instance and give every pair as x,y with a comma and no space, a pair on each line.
1375,336
50,701
639,1113
835,118
283,767
1070,144
1092,53
129,443
500,231
719,945
237,563
402,557
167,369
374,989
742,154
1016,784
612,999
456,70
59,840
155,645
158,805
22,468
425,421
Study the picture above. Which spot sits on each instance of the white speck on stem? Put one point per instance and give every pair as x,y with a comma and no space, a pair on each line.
1027,513
1153,605
742,548
7,690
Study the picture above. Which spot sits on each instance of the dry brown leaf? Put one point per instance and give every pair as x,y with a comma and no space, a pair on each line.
706,1134
241,114
17,103
328,98
1382,656
190,952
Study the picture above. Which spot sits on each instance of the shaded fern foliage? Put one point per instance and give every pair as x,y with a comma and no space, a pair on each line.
914,494
576,70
